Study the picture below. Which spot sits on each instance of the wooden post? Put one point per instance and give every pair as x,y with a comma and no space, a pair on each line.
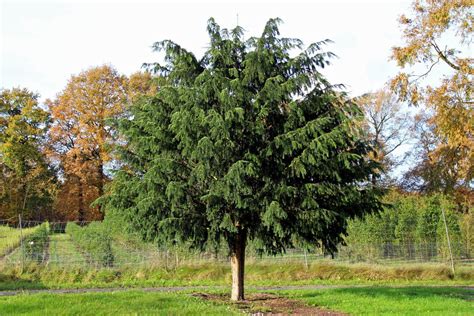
177,258
305,259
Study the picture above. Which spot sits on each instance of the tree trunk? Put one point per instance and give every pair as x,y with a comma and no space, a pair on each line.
101,185
81,213
237,262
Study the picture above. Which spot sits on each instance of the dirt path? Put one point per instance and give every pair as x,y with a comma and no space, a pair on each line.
192,288
170,289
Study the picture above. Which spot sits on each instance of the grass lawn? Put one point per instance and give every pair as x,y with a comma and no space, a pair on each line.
391,300
117,303
354,301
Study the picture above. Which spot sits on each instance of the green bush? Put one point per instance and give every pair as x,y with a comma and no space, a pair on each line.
35,243
95,241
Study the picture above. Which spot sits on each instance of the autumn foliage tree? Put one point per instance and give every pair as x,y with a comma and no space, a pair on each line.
432,23
434,168
27,183
248,143
140,84
387,126
80,137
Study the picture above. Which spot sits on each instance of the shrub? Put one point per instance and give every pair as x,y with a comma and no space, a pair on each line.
35,243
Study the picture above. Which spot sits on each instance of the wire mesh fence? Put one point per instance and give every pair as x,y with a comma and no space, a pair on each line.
58,244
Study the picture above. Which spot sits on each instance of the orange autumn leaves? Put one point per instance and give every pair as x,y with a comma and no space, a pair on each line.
81,137
438,35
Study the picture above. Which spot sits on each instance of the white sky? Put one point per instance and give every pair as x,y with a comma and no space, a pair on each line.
44,42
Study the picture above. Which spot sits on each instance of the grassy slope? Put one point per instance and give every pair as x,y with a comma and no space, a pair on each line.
10,238
391,301
52,276
118,303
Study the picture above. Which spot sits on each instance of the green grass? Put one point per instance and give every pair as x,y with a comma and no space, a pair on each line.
355,301
51,276
63,252
115,303
10,238
391,300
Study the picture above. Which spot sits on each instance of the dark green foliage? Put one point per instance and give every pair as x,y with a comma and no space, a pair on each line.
94,240
57,227
250,140
34,244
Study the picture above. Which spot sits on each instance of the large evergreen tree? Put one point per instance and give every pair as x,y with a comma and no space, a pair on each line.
248,143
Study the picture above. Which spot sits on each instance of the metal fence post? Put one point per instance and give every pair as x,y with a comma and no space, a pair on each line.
447,237
21,244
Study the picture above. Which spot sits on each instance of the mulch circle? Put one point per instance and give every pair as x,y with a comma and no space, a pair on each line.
260,304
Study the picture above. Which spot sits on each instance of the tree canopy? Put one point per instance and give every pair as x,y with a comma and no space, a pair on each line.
387,126
80,137
26,180
439,33
250,142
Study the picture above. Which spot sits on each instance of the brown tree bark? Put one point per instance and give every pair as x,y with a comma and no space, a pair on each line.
100,184
81,213
237,262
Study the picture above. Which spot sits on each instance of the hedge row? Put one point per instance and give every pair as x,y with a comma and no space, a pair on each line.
412,228
35,244
95,241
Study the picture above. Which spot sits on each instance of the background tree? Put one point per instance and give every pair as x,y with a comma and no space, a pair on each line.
467,231
387,126
436,165
27,183
429,215
405,230
247,143
450,99
81,137
141,84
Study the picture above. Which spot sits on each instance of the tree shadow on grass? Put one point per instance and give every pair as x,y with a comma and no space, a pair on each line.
406,292
9,282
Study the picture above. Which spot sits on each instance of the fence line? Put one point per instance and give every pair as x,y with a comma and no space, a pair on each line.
22,246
